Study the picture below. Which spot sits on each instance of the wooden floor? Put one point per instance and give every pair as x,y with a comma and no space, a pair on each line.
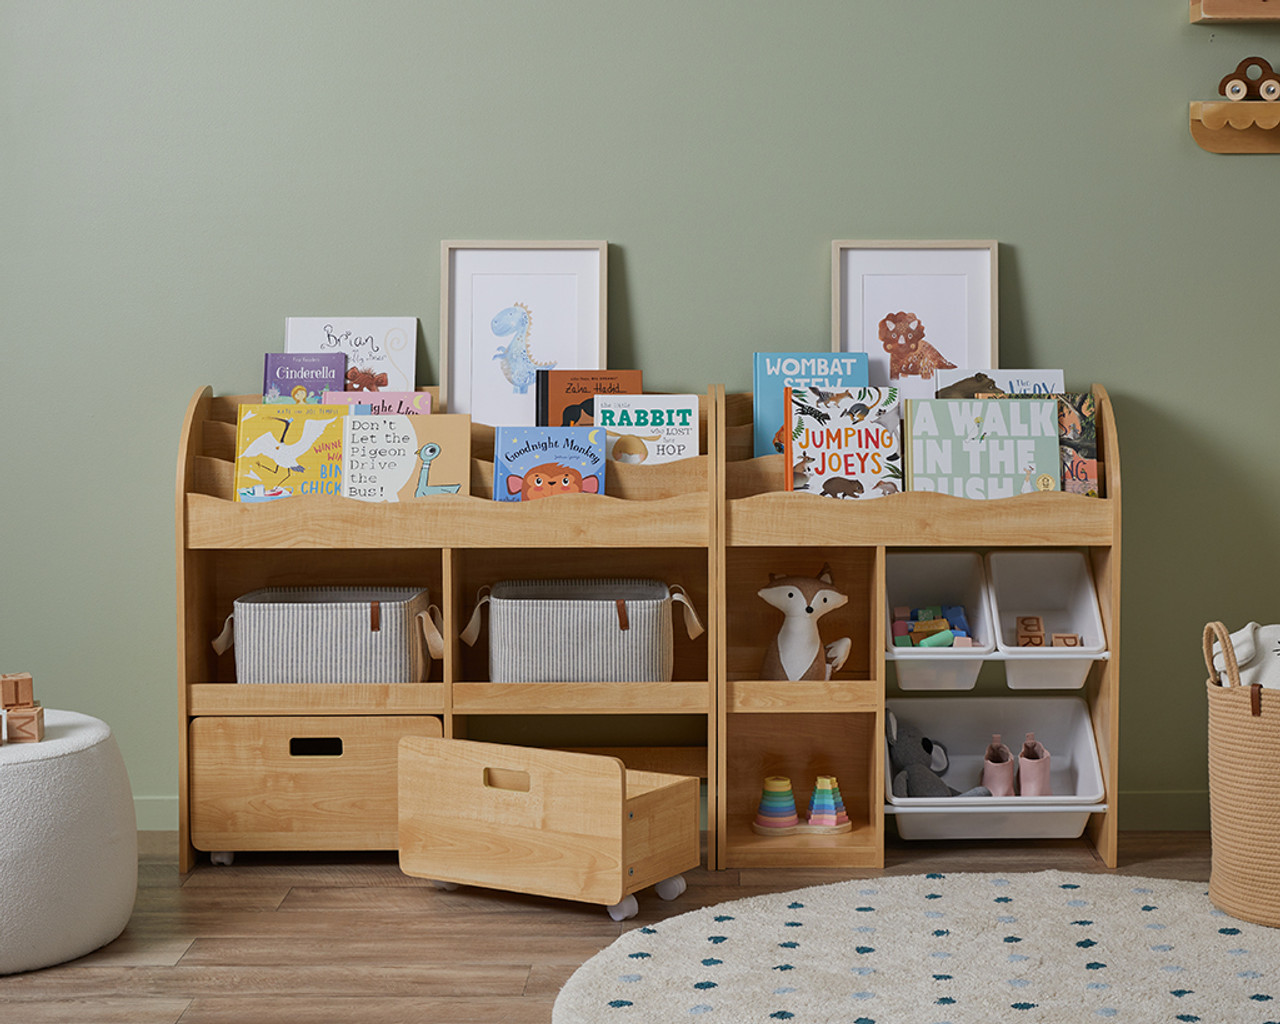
348,938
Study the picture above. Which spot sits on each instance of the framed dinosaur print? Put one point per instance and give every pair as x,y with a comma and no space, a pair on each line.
509,309
915,308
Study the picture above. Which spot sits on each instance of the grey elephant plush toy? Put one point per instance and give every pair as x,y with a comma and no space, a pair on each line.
919,762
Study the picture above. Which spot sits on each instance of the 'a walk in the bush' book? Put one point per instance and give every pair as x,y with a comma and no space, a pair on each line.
992,448
845,446
294,378
539,462
772,371
286,450
400,458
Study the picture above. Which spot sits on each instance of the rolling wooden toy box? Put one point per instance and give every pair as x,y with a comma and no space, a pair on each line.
552,823
581,631
332,635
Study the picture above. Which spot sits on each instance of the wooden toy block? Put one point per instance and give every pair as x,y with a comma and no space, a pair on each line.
962,641
932,611
930,626
902,612
901,627
16,690
1065,640
1030,639
26,725
1030,624
943,638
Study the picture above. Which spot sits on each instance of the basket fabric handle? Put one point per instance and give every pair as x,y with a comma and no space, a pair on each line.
223,641
472,631
432,624
691,621
1217,631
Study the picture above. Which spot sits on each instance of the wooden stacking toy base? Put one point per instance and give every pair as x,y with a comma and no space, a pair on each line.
797,830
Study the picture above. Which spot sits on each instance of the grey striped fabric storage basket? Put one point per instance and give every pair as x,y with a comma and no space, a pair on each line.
333,635
583,630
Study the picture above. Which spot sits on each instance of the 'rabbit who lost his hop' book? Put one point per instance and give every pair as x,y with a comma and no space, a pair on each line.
538,462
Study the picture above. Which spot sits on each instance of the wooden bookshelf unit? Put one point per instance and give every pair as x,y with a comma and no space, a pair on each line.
716,524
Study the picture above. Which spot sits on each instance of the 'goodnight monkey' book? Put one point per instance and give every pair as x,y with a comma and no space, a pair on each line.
538,462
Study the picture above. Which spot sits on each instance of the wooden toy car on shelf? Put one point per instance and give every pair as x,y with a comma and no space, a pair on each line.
1241,85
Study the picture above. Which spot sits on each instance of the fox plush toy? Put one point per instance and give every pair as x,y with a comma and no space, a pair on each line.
797,652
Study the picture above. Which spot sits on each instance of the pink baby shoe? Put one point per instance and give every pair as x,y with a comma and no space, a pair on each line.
997,768
1033,768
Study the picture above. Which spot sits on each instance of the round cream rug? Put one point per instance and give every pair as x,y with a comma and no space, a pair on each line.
1035,948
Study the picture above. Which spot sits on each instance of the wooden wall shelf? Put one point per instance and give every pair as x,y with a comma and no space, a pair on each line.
1244,126
1219,11
716,524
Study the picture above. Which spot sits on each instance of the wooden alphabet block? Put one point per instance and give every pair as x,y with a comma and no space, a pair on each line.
1030,639
26,725
16,690
929,627
1065,640
1030,624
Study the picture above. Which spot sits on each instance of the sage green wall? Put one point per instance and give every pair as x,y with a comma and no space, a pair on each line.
176,179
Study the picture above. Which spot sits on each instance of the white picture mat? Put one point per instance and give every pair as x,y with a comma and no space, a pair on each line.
475,274
950,286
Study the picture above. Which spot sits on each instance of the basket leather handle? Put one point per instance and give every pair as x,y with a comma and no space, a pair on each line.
1216,630
471,633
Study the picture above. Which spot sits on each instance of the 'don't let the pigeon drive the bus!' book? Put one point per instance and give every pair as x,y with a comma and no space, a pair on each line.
286,450
540,462
400,458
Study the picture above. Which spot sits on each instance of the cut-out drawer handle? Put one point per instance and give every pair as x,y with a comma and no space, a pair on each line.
507,778
315,746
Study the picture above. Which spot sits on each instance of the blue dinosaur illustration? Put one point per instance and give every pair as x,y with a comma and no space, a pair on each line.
427,453
518,364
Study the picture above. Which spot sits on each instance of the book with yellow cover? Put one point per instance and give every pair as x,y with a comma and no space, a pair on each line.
286,450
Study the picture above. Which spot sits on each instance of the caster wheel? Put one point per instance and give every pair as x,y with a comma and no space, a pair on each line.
223,858
627,908
670,888
446,886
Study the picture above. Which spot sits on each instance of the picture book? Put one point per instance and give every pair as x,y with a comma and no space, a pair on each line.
285,450
399,458
835,372
843,445
648,428
565,398
982,448
1077,441
296,378
380,350
538,462
384,403
977,383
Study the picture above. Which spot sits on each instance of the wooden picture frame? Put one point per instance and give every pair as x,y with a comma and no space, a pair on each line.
549,298
948,288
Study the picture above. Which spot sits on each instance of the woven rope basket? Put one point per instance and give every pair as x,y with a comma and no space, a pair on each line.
1244,789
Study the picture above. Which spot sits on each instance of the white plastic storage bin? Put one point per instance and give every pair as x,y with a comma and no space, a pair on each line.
922,578
963,725
1057,586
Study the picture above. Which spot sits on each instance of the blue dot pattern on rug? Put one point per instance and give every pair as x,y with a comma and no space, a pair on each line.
942,949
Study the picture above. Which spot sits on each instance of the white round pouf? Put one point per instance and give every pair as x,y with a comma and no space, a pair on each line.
68,843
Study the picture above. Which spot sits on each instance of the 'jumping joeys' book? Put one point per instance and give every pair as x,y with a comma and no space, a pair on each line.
538,462
843,447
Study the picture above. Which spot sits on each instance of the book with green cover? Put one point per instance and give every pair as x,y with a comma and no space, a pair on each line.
976,448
